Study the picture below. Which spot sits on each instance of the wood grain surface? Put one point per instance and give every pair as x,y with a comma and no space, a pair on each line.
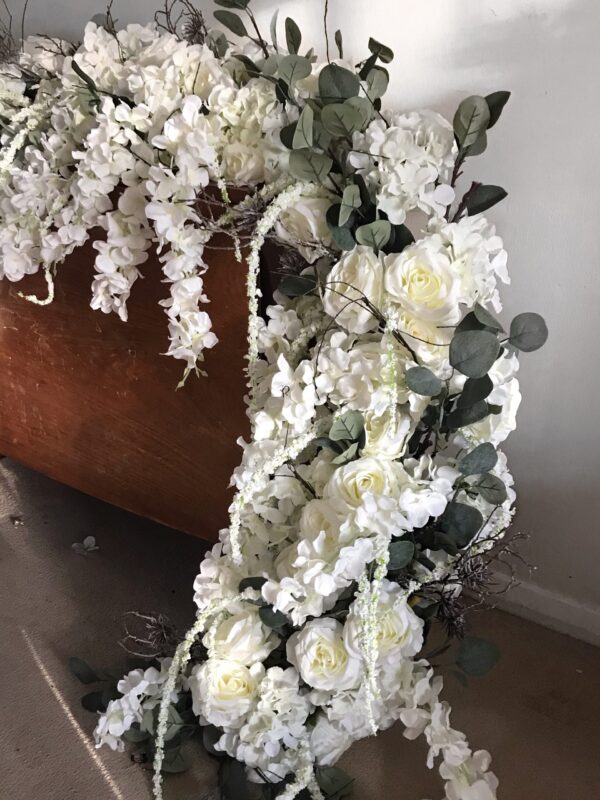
90,401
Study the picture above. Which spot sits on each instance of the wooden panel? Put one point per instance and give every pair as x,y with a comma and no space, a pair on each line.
89,400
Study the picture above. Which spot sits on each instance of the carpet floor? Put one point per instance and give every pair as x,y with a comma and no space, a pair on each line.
538,712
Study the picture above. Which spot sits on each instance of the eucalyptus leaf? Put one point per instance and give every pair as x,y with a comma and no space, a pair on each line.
341,120
286,134
471,121
473,352
478,147
303,135
337,84
293,36
482,459
84,77
252,583
350,201
333,782
176,760
491,488
339,43
364,108
528,332
82,670
496,102
401,554
347,426
475,390
241,4
309,165
461,522
217,41
476,656
273,30
421,380
488,320
232,22
271,618
400,238
482,197
377,82
293,68
375,234
210,736
347,455
136,736
94,701
460,417
297,285
383,53
341,236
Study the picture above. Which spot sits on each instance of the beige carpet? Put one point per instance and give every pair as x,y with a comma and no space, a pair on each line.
538,712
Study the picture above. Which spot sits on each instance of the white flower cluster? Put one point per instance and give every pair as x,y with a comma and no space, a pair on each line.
352,497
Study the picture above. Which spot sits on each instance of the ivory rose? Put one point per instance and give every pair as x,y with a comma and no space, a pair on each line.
357,276
319,654
223,691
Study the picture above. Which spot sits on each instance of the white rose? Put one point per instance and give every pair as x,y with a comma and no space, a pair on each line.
358,275
399,630
383,438
421,280
242,163
377,476
304,225
319,654
243,638
223,692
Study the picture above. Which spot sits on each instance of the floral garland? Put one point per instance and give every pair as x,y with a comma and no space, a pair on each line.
381,383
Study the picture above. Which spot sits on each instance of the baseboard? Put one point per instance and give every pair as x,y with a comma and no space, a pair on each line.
553,610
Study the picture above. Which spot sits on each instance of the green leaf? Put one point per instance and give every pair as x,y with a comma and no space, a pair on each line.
333,782
94,701
460,677
470,121
482,197
461,522
241,4
303,135
217,41
477,656
475,390
364,108
309,165
491,488
293,36
496,102
422,381
249,65
210,736
297,285
377,82
350,201
347,456
528,332
473,352
135,736
232,22
273,30
488,320
339,43
271,618
401,554
482,459
252,583
82,671
341,236
341,120
294,68
375,234
401,237
347,426
383,53
460,417
176,760
234,783
337,84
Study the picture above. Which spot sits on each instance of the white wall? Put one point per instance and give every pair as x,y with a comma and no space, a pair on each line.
545,153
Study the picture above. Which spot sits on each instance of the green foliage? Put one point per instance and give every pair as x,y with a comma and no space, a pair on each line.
482,459
297,285
461,522
339,43
474,352
303,133
232,22
293,36
528,332
471,121
491,488
252,583
421,380
340,234
474,391
350,201
310,165
375,234
82,671
459,417
496,102
377,82
293,68
476,656
337,84
341,120
241,4
348,455
333,782
482,197
401,554
383,53
347,426
271,618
